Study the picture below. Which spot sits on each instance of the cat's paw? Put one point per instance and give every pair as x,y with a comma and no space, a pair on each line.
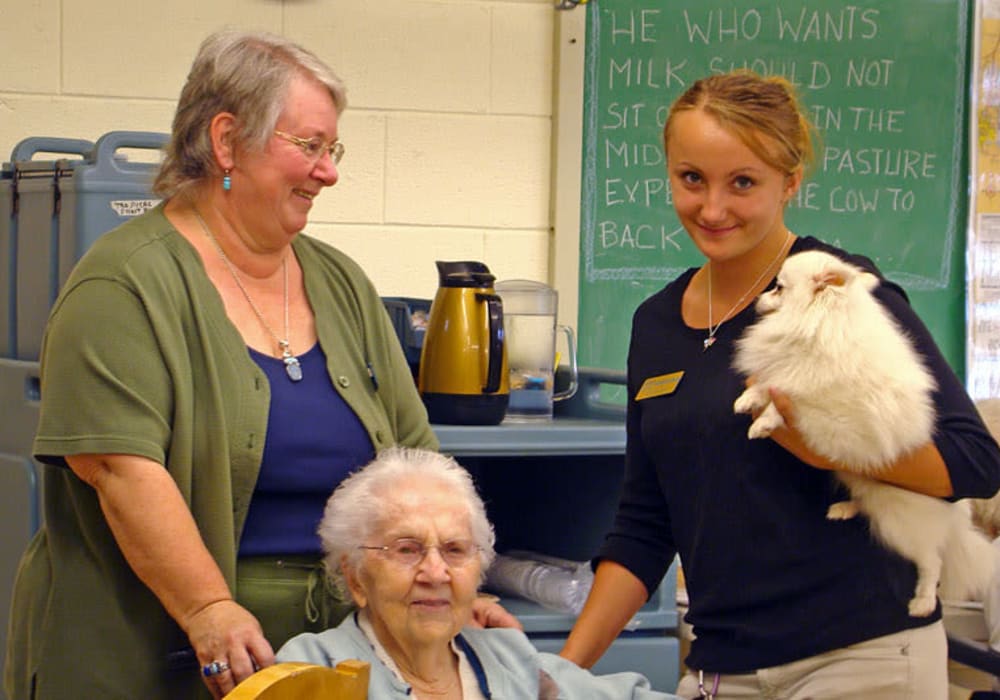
760,428
750,400
922,606
767,422
843,510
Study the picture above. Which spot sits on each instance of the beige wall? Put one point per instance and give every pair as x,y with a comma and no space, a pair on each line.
449,131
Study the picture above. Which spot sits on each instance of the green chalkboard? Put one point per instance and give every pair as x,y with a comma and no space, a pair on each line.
885,83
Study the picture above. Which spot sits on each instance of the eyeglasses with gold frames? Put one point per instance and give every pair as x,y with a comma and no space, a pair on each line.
314,148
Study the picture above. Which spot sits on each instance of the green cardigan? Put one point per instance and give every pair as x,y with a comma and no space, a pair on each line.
140,358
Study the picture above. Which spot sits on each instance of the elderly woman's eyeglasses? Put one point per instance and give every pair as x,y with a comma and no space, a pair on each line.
315,147
410,552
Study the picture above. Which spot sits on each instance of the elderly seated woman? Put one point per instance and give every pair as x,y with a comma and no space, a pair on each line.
407,536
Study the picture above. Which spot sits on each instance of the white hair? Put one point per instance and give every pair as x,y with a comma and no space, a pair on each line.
357,508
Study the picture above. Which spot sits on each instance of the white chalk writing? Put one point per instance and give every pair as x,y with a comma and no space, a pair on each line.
874,160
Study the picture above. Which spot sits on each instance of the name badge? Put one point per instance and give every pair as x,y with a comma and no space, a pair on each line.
659,386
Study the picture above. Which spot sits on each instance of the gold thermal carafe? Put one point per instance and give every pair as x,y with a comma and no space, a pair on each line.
463,375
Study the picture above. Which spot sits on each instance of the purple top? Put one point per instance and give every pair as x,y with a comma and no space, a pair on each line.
314,440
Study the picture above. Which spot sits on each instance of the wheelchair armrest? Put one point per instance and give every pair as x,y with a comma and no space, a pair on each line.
974,654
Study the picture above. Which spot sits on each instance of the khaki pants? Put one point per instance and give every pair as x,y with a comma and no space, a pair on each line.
908,665
288,595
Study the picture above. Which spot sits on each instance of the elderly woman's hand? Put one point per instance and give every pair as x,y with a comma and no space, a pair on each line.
225,632
487,612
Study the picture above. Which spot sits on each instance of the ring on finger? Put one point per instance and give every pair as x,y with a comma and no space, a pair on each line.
214,668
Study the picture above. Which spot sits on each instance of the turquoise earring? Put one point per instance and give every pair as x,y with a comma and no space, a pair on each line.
227,182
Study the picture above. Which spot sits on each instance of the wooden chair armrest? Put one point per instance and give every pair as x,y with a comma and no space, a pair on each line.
294,680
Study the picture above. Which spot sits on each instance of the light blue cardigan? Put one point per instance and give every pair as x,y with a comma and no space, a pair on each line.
506,663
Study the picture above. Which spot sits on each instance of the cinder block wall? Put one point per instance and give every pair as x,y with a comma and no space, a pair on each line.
448,132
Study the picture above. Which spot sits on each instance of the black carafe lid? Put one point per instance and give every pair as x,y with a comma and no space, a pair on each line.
464,273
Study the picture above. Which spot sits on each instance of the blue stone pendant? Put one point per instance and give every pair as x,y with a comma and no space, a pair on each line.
292,368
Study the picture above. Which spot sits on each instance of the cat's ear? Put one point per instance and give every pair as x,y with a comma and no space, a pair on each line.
829,277
868,280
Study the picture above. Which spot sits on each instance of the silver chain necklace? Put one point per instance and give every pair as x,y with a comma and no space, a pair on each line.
710,340
292,367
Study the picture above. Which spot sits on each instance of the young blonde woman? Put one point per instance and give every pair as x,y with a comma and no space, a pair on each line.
784,603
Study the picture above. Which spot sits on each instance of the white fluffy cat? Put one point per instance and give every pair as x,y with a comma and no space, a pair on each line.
862,398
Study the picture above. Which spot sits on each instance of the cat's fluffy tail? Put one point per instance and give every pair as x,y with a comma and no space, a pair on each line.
968,562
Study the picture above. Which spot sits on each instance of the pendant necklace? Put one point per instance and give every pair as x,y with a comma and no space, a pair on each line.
292,367
710,340
426,690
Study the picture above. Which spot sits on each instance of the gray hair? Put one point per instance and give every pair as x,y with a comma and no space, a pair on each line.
246,74
357,509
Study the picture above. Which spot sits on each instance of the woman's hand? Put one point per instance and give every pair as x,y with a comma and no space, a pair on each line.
922,470
789,437
615,597
226,632
161,542
487,612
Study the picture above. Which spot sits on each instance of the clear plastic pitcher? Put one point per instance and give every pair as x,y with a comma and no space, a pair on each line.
529,320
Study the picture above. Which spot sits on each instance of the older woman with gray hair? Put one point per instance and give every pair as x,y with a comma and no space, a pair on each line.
209,374
407,537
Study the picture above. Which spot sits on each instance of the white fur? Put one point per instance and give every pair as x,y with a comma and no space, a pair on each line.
862,398
986,511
